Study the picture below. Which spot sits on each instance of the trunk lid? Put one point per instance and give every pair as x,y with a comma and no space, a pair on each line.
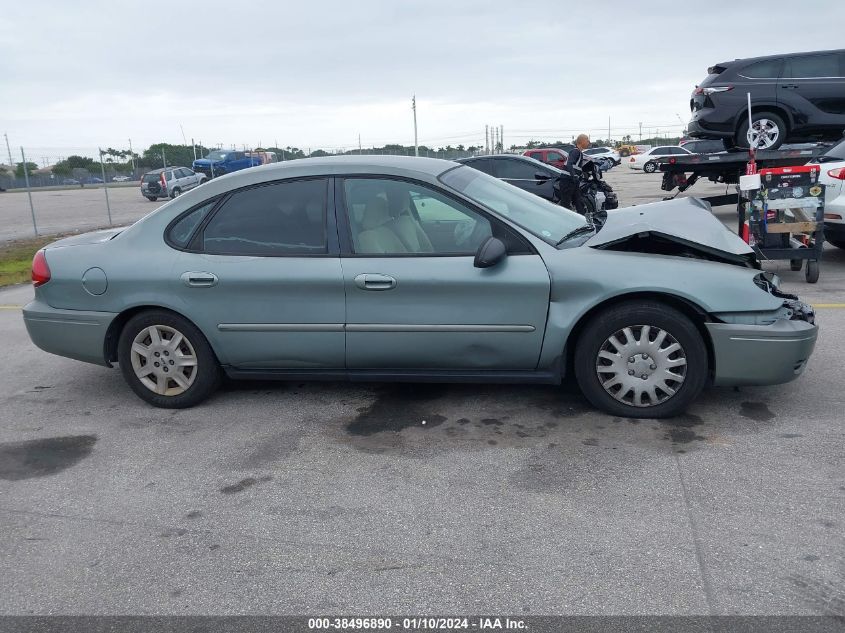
94,237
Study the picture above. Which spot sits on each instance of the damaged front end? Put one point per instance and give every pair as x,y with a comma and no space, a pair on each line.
763,347
683,227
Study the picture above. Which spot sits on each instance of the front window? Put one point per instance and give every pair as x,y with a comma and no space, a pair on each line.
547,221
217,155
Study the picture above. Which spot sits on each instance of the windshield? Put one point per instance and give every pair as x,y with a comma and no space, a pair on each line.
547,221
217,156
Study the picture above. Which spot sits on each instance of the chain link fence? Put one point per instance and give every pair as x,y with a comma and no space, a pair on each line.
52,198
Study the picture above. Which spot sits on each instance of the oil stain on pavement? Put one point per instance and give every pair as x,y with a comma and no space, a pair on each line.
757,411
42,457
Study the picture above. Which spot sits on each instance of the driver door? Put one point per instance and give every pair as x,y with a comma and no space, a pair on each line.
414,299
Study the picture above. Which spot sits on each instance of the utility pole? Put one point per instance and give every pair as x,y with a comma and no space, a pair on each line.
184,140
163,158
194,145
132,157
28,191
359,144
105,187
414,108
502,136
608,132
11,164
486,139
641,131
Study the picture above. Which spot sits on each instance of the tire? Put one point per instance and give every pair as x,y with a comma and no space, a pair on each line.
796,264
175,193
650,167
199,380
593,352
811,274
836,243
151,198
774,124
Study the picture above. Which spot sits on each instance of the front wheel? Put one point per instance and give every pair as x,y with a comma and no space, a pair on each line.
176,193
641,359
151,198
650,167
166,360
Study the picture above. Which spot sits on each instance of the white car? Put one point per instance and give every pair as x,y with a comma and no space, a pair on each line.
603,152
121,179
833,178
647,160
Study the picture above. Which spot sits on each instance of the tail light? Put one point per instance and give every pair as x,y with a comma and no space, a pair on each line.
838,173
40,269
163,182
711,90
832,216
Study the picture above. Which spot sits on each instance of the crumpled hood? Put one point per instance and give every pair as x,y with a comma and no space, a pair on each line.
94,237
686,220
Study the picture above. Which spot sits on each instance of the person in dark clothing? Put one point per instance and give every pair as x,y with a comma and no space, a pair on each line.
570,196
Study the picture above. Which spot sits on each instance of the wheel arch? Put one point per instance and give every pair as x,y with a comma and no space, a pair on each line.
120,321
774,108
691,310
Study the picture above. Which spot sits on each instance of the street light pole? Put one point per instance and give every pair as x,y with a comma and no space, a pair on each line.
414,108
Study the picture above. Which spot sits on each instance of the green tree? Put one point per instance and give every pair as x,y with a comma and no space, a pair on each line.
158,154
19,173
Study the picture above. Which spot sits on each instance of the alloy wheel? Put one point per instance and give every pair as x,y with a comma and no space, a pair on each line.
641,365
163,359
763,134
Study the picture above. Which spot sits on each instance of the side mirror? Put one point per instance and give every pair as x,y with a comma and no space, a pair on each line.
490,253
541,177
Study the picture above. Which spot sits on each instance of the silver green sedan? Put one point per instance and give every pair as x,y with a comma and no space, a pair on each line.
412,269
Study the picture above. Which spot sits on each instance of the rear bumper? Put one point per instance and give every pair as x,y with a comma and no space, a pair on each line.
761,354
76,334
699,128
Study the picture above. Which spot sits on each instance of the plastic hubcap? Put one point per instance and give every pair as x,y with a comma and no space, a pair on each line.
164,360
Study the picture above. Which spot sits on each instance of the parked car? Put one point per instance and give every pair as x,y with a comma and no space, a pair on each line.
647,161
704,146
169,182
93,180
396,268
603,152
521,171
121,179
832,176
70,181
555,156
627,150
797,96
220,162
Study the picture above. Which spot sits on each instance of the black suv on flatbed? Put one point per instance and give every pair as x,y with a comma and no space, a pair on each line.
798,96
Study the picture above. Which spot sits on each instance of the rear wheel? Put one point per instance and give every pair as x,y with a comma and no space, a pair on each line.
641,359
176,193
151,198
650,167
166,360
768,131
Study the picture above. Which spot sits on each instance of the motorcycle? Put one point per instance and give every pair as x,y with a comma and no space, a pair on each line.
598,196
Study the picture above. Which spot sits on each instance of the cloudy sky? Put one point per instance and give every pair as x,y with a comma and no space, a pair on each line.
315,74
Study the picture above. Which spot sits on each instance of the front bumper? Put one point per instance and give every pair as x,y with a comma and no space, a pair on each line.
761,354
76,334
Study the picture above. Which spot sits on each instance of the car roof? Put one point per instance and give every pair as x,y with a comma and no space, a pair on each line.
161,169
778,56
522,157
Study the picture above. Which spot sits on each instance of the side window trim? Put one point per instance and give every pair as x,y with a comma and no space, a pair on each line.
344,226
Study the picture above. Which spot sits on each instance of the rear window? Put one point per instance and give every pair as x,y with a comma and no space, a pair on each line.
151,177
766,69
837,151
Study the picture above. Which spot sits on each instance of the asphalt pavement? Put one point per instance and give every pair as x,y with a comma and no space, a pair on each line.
331,498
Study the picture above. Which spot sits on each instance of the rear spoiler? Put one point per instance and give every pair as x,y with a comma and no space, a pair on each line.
718,69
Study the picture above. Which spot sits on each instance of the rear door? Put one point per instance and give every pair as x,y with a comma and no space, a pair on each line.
814,88
524,174
260,275
423,305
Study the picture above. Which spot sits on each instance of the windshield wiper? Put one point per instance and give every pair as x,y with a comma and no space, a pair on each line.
584,228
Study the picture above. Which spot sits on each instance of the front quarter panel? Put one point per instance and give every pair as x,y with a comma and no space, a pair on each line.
584,278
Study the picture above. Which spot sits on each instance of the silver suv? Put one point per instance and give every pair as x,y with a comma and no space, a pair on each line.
169,182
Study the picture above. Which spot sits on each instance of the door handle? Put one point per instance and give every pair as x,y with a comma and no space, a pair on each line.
372,281
199,279
789,86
